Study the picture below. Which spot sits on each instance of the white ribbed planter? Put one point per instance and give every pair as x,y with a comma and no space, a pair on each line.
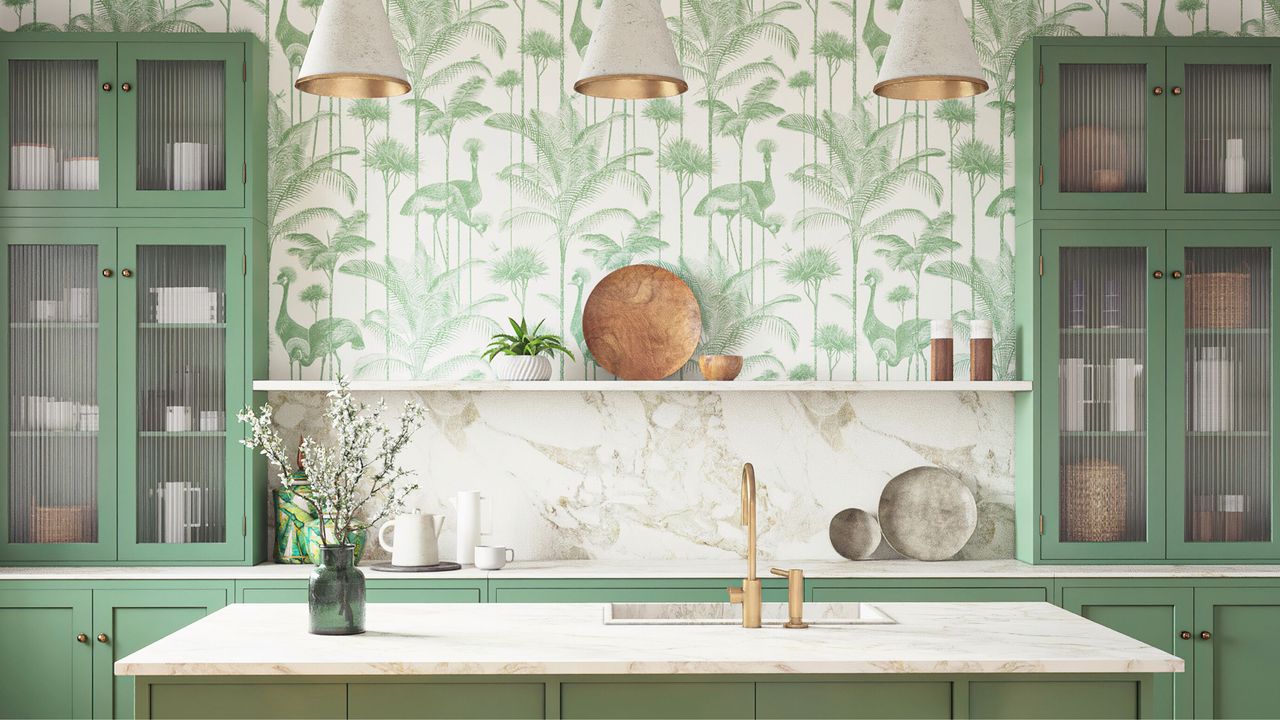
522,367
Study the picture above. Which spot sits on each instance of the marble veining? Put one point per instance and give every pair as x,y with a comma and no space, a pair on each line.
524,639
654,475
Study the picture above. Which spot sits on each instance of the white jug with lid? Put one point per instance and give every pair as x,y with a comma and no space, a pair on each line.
416,535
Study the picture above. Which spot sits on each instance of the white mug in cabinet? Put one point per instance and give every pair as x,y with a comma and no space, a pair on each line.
177,418
80,173
1213,385
493,557
1124,394
33,166
44,310
179,511
469,530
189,165
416,536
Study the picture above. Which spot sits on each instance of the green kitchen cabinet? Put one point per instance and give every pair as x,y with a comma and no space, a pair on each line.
133,122
378,590
950,590
1237,651
639,699
119,447
854,700
47,664
127,620
1154,123
1158,616
623,590
482,700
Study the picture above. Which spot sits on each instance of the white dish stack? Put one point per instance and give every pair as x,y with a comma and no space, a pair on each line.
33,166
190,305
80,173
1213,383
188,163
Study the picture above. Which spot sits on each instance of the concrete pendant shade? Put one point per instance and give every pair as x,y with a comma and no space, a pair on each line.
630,56
352,53
931,55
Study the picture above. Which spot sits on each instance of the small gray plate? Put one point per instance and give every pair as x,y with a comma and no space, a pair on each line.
855,533
445,566
927,514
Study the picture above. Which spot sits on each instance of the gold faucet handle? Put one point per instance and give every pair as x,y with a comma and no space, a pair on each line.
735,595
787,573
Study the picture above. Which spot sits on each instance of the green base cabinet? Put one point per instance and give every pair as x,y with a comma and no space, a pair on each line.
1237,654
661,696
378,590
47,663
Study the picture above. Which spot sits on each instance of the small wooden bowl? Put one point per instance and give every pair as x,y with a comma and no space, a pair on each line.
720,367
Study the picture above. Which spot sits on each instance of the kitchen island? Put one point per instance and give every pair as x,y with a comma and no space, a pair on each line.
563,660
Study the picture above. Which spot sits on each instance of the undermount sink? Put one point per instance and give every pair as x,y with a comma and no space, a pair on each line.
772,613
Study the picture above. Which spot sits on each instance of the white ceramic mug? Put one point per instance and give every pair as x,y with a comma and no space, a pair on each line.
416,539
177,418
493,557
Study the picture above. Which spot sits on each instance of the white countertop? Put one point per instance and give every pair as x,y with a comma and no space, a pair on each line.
567,639
667,569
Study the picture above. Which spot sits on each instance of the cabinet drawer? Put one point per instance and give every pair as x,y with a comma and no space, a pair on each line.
853,700
446,700
309,701
656,700
932,594
1030,700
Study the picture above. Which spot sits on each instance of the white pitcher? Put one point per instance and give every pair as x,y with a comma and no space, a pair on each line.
415,541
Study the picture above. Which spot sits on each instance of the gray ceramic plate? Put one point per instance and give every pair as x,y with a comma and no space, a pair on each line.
855,533
927,514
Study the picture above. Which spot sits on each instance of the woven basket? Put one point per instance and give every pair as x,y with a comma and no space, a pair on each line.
1218,300
1094,503
60,523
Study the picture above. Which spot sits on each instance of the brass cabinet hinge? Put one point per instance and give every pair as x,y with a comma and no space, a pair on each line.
1042,176
244,525
244,73
244,173
1042,74
244,265
1042,524
1041,266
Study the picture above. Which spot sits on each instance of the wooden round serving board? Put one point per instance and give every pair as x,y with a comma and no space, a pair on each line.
641,323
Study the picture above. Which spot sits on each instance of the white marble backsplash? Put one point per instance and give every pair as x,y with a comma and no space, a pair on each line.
655,476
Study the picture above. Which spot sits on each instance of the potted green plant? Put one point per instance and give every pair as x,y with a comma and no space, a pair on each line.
355,482
523,354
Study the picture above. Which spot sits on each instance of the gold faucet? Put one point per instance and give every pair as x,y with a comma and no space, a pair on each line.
749,595
795,597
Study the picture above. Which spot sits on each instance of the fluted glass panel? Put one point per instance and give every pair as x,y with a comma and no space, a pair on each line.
53,393
1228,130
1103,117
1229,308
182,413
1102,388
181,125
53,125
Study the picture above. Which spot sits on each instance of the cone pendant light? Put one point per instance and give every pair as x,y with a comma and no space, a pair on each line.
352,53
630,56
931,55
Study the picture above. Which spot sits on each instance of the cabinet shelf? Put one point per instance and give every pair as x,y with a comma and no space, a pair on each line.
1103,433
53,325
53,433
182,326
1229,434
182,434
1104,331
1228,331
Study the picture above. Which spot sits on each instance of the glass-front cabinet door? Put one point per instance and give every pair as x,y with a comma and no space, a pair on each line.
1105,112
59,456
58,124
1222,134
178,370
1104,442
1222,411
182,125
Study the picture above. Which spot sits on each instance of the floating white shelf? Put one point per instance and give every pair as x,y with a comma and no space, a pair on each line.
645,386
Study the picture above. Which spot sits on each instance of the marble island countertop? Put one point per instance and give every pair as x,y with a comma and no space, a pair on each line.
571,639
665,569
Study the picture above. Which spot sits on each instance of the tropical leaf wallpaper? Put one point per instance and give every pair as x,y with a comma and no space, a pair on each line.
820,227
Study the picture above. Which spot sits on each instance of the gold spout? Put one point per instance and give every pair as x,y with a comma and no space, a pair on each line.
750,595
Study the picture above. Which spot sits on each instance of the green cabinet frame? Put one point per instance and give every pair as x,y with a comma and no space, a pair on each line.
1235,667
104,53
117,55
104,547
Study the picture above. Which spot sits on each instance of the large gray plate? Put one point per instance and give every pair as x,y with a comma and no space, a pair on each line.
927,514
854,533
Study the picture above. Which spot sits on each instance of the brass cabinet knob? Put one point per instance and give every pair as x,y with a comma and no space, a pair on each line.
126,272
106,272
1157,274
125,87
1175,90
102,637
1185,634
106,87
82,638
1157,90
1204,635
1176,274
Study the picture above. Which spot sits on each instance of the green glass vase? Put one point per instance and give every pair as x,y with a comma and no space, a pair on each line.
336,593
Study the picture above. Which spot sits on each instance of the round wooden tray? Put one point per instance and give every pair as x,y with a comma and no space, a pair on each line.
641,322
443,566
